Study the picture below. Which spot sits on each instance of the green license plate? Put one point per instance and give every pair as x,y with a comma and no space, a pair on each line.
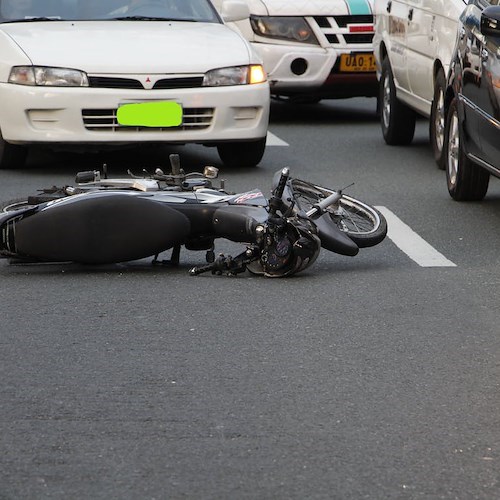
150,114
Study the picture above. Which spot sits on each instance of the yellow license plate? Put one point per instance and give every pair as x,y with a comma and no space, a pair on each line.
357,63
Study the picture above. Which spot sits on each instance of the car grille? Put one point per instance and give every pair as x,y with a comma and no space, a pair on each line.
104,120
107,82
341,31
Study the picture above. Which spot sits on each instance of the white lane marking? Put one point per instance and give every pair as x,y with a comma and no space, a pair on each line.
273,140
412,244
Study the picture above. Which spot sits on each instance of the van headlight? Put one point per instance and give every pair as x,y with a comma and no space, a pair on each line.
49,77
294,29
235,75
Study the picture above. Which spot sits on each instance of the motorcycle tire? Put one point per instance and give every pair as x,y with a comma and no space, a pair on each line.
16,204
31,201
362,223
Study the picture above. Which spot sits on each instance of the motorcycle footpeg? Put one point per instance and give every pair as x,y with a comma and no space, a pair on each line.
222,265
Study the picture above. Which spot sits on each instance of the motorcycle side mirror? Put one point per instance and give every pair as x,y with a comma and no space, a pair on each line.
210,172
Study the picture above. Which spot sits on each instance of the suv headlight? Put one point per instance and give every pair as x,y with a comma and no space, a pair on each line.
294,29
235,75
50,77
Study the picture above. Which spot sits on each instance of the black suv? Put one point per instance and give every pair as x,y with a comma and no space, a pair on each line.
472,135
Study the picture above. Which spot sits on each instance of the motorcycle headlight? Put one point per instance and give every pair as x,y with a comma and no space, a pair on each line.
235,75
294,29
50,77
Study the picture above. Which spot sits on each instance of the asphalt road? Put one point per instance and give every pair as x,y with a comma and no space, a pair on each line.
371,377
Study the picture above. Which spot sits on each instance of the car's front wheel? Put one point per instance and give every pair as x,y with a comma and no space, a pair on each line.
437,121
397,119
242,154
466,180
12,155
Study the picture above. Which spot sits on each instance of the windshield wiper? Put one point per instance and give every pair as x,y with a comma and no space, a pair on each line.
149,18
35,19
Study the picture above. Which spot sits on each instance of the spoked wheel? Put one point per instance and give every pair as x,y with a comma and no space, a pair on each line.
11,205
364,224
31,201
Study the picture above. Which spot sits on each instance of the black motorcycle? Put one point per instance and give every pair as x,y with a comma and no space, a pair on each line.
101,221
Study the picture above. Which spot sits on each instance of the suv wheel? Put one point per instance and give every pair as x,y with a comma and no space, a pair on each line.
438,120
466,180
242,154
397,120
12,155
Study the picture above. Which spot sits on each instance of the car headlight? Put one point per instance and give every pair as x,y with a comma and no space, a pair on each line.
50,77
235,75
295,29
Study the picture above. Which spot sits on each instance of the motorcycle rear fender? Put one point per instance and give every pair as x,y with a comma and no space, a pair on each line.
333,239
100,229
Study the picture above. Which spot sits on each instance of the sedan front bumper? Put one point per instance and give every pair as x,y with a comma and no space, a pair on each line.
87,115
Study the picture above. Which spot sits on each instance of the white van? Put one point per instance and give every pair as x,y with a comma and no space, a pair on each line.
313,50
413,45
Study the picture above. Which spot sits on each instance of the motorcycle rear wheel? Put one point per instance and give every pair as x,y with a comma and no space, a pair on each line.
32,201
364,224
11,205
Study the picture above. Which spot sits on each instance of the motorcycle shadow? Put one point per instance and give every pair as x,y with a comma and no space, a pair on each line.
323,267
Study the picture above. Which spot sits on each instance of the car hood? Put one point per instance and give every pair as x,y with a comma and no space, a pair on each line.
130,46
318,7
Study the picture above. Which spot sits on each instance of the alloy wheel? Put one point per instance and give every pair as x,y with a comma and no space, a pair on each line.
439,122
386,102
453,149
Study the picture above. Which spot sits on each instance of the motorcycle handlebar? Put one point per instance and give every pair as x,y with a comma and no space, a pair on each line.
276,202
280,188
318,209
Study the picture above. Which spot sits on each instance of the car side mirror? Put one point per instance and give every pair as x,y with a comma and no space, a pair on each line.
490,21
234,10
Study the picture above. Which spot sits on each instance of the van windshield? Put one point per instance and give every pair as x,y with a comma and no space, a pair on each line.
103,10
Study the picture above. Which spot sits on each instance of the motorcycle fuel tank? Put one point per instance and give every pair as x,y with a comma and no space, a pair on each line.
101,228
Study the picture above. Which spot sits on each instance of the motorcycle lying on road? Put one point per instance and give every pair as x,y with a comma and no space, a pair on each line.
102,221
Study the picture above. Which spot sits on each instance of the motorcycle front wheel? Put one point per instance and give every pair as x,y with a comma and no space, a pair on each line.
364,224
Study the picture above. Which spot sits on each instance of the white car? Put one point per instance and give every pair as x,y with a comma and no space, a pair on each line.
314,50
413,46
97,74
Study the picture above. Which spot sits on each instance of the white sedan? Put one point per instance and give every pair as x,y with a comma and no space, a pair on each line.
98,74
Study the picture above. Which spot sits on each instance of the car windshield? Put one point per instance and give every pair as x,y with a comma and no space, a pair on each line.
101,10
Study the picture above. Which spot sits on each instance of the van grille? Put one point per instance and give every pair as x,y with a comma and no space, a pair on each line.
336,29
